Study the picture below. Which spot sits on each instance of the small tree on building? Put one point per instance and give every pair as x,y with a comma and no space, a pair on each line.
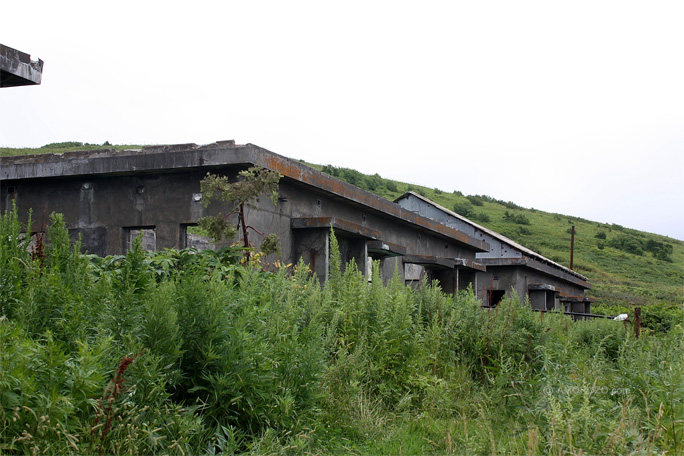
253,184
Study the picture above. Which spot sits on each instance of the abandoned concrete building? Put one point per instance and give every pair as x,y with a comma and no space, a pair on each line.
509,265
108,197
17,68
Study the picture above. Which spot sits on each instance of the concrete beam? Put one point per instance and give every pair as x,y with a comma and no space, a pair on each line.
385,249
17,68
466,263
337,224
531,263
430,262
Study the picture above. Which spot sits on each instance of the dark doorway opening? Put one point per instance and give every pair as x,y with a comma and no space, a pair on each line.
495,297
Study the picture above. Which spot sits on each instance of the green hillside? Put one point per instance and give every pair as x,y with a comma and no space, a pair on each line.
626,267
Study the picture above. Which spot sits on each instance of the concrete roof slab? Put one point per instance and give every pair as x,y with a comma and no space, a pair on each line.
337,224
17,68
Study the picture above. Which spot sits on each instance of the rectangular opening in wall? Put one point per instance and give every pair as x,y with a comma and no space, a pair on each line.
194,237
148,239
494,297
550,300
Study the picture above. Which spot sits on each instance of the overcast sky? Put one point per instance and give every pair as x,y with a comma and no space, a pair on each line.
569,107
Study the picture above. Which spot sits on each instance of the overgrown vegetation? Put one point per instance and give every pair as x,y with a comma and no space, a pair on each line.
62,147
608,254
186,352
253,183
626,267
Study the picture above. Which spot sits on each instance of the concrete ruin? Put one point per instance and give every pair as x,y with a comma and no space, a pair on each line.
108,197
509,265
17,68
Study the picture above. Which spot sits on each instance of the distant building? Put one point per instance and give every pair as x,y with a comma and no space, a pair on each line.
17,68
509,265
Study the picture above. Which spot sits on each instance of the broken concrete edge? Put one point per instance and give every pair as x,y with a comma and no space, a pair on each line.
386,248
470,264
17,68
214,155
524,250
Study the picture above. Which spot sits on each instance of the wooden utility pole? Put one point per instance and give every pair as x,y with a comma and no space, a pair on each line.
637,321
572,245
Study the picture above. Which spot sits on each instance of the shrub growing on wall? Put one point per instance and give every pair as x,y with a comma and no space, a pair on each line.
254,183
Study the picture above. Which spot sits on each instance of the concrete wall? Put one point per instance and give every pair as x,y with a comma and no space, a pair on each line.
510,266
497,248
109,197
520,278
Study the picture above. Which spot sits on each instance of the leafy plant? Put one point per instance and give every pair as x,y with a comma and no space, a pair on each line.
520,219
255,183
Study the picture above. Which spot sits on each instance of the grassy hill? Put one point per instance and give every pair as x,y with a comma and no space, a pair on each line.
626,267
60,148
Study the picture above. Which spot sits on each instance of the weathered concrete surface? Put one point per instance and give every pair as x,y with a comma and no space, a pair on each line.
17,68
508,265
108,196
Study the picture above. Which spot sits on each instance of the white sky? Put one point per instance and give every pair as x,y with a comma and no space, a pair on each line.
570,107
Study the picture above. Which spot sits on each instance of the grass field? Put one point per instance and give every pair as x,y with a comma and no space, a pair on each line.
185,352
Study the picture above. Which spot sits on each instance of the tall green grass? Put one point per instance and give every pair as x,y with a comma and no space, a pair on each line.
186,352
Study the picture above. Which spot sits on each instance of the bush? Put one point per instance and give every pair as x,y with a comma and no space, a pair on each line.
475,200
520,219
465,209
65,145
481,217
627,244
660,250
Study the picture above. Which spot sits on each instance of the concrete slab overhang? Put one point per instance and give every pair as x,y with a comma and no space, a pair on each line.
337,224
435,262
573,299
574,278
385,249
543,287
430,262
214,156
466,263
17,68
